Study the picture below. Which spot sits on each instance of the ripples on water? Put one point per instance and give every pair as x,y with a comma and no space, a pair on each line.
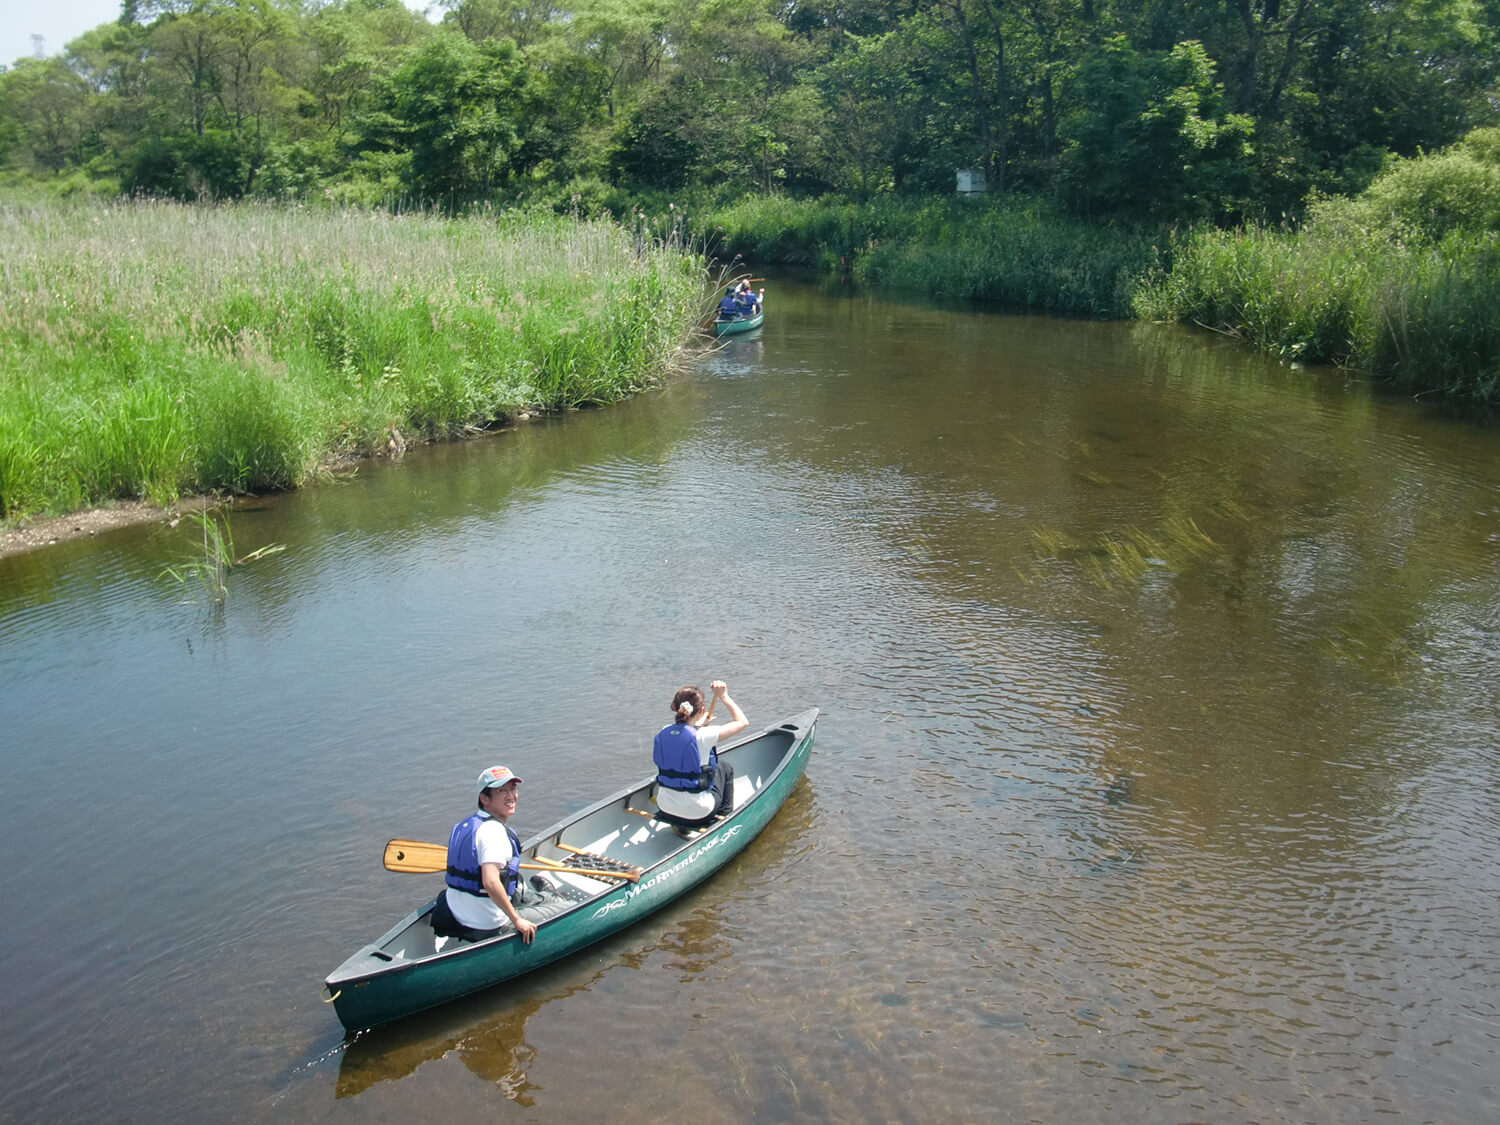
1208,836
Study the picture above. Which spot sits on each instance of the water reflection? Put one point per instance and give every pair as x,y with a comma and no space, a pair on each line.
486,1031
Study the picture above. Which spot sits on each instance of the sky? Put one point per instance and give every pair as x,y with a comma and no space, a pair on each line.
59,22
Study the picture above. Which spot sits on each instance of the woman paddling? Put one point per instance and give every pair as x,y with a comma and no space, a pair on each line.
692,785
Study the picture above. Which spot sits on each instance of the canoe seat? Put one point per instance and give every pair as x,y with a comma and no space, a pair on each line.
676,821
744,789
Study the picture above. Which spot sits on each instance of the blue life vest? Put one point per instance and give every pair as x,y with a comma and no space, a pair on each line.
463,858
746,301
675,753
729,306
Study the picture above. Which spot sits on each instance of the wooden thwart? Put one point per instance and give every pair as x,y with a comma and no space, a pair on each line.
605,862
544,864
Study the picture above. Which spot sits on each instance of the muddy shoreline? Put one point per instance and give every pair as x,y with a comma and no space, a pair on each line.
34,532
47,531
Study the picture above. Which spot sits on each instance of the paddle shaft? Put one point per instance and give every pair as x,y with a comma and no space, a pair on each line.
421,858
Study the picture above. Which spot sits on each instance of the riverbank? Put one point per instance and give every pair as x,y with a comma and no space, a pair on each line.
151,350
32,532
48,531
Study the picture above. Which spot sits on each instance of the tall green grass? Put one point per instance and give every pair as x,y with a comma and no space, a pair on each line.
1423,317
1017,253
150,349
1009,250
1401,281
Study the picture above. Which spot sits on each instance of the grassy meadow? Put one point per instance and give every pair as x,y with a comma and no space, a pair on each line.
154,350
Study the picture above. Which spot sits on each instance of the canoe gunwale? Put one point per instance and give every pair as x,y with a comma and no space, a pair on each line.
372,965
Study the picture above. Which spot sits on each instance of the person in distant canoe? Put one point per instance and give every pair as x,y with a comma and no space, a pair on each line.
745,300
484,867
729,307
692,785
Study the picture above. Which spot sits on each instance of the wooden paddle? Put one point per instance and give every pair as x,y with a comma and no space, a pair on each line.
415,856
419,857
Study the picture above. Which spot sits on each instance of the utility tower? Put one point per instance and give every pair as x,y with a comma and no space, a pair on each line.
39,46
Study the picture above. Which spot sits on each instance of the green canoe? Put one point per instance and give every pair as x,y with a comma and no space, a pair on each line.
408,968
730,326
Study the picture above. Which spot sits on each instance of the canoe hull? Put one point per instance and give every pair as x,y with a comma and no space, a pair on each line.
402,972
739,324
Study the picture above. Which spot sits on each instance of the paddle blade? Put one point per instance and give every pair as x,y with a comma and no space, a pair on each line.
415,856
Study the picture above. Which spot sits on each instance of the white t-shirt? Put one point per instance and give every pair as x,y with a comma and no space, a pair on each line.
493,845
684,802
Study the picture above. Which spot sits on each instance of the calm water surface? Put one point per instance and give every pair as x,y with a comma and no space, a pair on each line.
1157,777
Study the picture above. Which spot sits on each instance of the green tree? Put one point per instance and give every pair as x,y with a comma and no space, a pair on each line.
112,60
745,63
875,110
1150,137
43,102
659,144
624,43
525,25
458,114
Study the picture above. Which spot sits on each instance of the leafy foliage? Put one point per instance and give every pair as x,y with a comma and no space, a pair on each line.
458,113
1113,108
1152,136
1125,114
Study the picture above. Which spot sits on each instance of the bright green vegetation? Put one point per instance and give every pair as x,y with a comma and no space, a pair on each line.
1118,138
156,349
1010,250
1402,281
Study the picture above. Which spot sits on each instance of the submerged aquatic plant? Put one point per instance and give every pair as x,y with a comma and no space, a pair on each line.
1123,557
210,569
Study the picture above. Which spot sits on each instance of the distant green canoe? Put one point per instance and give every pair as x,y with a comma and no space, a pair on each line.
409,968
735,323
730,326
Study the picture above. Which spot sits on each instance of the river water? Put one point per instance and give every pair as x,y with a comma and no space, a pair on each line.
1156,778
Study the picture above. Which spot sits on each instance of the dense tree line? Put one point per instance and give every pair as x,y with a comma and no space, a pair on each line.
1130,109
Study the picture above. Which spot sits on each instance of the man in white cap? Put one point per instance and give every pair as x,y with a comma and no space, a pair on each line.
484,865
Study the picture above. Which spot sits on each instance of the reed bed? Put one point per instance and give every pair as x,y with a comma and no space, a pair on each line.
1010,250
822,233
151,350
1019,254
1421,316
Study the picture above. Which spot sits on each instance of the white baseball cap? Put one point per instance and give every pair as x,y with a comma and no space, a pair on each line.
496,776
